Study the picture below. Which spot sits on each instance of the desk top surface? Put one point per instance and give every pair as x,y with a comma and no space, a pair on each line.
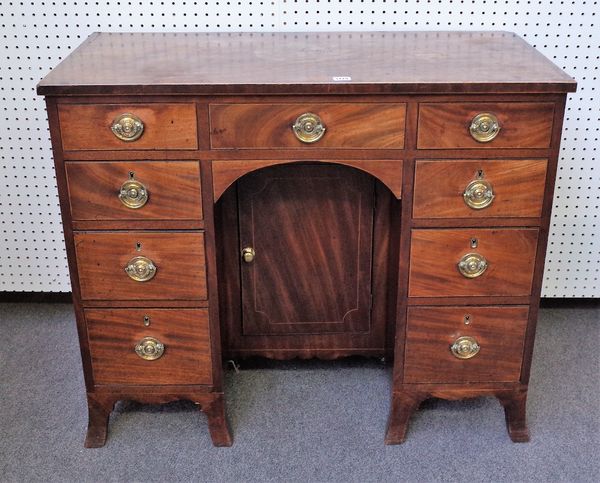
305,63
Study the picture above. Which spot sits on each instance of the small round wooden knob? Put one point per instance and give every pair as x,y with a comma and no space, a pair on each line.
127,127
484,127
141,269
472,265
465,347
150,349
308,128
248,254
133,194
478,194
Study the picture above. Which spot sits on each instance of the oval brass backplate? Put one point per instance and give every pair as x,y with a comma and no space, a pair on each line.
150,349
465,347
478,194
308,128
127,127
141,269
133,194
472,265
484,127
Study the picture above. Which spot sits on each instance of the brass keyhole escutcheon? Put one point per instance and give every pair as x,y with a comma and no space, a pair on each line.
127,127
308,128
465,347
150,349
141,269
133,194
472,265
478,194
484,127
248,254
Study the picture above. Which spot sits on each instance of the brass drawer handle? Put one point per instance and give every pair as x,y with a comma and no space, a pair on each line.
465,347
308,128
141,269
478,194
472,265
150,349
484,127
133,194
127,127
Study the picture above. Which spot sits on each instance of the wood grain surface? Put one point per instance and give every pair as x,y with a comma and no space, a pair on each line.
173,190
166,126
178,256
376,342
304,63
114,333
522,125
500,331
435,253
518,187
312,230
269,125
225,173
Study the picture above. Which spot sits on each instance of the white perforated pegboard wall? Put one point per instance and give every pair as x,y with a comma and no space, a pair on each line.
36,35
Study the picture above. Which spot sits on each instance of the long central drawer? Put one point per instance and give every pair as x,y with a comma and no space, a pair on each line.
344,125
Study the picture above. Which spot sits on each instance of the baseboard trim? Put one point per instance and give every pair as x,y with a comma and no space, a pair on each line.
36,297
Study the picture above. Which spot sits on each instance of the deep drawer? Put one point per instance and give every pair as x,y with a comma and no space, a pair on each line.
165,126
347,125
183,334
134,190
479,188
490,338
508,256
521,125
178,258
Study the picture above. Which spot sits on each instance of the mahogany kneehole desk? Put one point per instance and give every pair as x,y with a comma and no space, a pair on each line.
305,195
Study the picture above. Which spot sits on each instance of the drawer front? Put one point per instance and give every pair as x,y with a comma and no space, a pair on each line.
178,258
182,334
507,254
134,190
347,125
448,125
480,188
492,339
165,126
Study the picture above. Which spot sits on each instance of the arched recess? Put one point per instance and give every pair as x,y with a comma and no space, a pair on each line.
225,173
284,302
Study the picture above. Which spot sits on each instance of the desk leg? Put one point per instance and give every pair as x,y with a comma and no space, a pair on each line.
99,409
217,420
404,404
515,412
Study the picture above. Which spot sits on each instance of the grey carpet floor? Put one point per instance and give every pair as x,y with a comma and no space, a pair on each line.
295,421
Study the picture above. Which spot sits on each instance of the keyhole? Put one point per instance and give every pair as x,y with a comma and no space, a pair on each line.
146,320
131,174
138,246
467,319
480,174
474,242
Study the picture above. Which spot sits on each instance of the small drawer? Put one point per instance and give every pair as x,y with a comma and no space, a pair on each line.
472,262
480,188
301,125
141,265
134,190
149,346
464,344
485,125
128,126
